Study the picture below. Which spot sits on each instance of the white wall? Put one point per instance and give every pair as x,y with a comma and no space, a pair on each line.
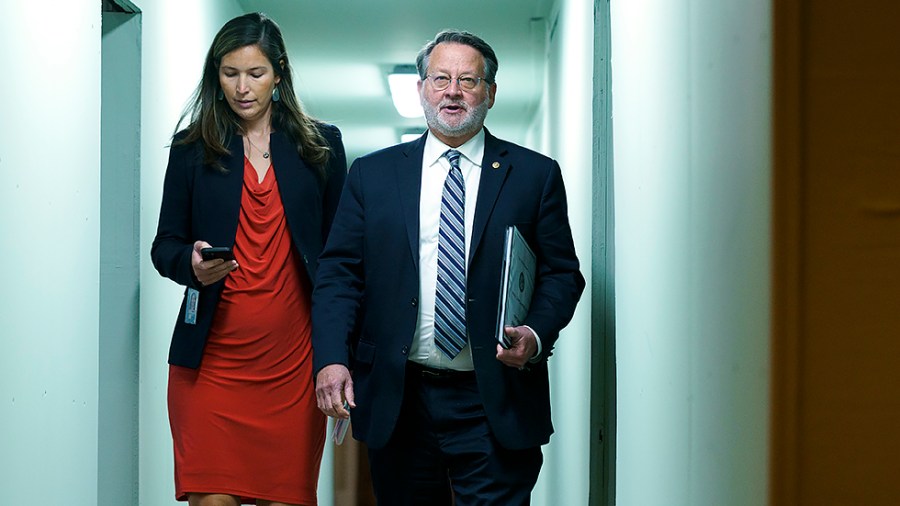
691,120
50,208
563,130
50,233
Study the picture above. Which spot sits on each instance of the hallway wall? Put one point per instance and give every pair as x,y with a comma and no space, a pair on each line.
50,204
50,233
562,129
691,117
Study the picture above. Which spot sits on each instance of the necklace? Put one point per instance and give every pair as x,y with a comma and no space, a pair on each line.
264,153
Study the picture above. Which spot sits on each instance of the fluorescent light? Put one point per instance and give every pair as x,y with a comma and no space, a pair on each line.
402,82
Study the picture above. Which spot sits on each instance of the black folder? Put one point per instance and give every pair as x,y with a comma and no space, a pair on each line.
516,283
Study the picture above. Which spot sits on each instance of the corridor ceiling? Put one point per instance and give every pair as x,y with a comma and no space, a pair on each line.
342,50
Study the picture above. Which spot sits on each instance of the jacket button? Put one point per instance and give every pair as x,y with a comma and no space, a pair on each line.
404,350
414,302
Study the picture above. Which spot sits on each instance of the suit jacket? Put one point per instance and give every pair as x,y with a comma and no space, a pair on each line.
367,288
203,203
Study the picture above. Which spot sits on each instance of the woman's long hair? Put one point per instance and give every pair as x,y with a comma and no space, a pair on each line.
213,121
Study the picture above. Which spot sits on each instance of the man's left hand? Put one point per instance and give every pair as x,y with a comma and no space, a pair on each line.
522,347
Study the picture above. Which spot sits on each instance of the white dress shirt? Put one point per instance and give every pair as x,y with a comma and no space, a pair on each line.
435,168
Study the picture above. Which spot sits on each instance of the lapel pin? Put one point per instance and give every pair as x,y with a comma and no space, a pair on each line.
495,165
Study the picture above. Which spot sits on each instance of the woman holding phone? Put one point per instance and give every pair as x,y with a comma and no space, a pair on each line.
251,172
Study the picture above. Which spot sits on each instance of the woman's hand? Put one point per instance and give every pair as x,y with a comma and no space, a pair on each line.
209,271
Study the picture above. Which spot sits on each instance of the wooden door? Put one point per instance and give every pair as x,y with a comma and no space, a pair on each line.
836,253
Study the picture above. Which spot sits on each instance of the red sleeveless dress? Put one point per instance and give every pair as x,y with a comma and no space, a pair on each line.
246,423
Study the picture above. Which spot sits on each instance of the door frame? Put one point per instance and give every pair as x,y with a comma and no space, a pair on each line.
603,336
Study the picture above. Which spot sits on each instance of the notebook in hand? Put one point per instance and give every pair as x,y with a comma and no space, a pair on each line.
516,283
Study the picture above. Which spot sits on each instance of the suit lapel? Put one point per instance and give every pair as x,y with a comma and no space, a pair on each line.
225,190
409,183
298,185
494,169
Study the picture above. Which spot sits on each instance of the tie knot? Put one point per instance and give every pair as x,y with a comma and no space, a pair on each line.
453,157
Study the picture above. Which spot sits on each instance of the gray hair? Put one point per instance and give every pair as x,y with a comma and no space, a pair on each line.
460,37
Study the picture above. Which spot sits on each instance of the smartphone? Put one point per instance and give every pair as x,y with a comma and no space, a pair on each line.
223,252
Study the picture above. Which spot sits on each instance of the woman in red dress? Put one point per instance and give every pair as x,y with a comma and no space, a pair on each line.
254,173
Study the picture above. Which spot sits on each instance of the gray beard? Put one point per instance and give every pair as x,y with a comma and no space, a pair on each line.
469,125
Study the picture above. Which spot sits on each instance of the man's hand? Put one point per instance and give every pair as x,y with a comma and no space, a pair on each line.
522,347
333,387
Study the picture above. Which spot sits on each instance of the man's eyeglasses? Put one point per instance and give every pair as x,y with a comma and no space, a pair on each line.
442,81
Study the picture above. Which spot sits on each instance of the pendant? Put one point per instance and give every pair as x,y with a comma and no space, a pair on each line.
266,154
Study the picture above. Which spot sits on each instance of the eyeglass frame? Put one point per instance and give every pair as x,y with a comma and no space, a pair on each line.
478,80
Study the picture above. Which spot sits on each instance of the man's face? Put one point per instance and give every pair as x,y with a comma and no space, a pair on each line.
455,114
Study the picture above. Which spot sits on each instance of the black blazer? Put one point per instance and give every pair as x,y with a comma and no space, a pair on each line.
366,296
203,203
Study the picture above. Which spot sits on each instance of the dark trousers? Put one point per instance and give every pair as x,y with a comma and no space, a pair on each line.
442,451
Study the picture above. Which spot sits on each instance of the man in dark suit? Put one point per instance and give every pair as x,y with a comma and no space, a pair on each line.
405,304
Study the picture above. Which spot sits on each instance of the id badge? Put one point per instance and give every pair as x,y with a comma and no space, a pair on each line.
190,306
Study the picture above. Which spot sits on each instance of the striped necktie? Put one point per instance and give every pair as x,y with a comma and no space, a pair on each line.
450,302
